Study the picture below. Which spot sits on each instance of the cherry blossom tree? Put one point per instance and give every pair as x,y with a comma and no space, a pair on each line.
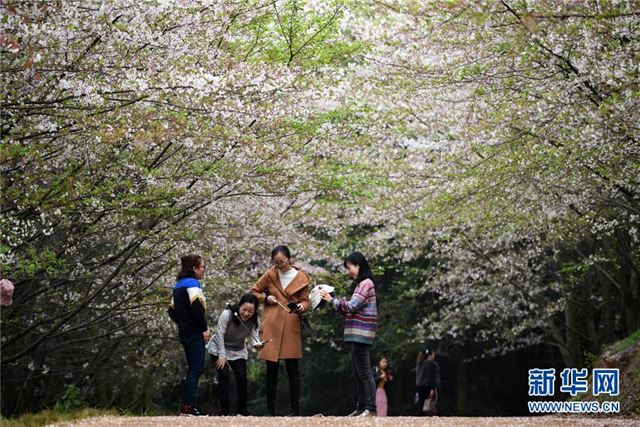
517,124
483,155
136,132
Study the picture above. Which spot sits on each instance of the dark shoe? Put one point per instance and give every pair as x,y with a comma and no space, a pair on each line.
190,411
244,413
271,412
294,413
224,408
355,413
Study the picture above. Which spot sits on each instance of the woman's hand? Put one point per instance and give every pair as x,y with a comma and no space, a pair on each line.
220,363
299,308
325,296
271,300
206,335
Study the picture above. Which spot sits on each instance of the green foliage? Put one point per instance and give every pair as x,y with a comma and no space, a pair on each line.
292,33
590,360
40,262
255,371
624,344
629,368
71,400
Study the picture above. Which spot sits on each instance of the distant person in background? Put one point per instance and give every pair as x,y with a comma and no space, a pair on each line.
360,329
228,349
187,309
383,377
438,381
6,292
425,378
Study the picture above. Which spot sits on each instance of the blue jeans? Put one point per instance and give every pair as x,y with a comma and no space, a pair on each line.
364,376
195,352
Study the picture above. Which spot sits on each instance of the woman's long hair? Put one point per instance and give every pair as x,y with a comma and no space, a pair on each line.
250,298
356,258
383,357
187,264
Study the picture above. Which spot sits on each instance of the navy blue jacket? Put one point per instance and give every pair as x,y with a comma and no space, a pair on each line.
187,307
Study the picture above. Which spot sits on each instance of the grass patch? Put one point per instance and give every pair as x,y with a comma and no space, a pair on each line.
624,344
51,416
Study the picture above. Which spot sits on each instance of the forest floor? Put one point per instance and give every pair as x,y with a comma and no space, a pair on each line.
321,421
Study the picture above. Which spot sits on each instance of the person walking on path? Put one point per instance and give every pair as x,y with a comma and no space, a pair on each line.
383,377
425,378
228,349
284,291
360,329
437,382
187,309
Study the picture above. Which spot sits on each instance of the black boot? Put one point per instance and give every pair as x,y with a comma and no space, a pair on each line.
271,409
272,384
294,387
224,407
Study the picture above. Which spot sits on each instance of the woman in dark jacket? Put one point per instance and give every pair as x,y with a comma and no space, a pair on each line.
187,309
426,373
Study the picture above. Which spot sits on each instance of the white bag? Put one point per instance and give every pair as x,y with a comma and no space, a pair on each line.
430,406
211,346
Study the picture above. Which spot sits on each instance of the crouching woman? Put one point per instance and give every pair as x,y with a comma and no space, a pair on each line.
228,349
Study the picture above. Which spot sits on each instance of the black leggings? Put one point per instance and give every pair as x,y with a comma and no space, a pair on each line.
239,367
423,394
293,371
366,386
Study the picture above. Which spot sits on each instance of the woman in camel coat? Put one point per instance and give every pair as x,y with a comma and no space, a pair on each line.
279,286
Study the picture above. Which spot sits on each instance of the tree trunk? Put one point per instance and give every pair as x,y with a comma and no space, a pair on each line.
609,313
561,343
631,302
462,389
572,315
588,316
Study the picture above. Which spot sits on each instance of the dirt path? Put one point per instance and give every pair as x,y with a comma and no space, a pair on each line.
320,421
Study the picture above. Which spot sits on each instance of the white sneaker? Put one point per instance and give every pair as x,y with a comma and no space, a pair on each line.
355,413
368,413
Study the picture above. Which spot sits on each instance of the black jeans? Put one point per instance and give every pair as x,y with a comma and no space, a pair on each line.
423,393
194,350
239,368
293,371
364,376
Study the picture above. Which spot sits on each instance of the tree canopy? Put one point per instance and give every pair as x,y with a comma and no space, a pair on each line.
483,155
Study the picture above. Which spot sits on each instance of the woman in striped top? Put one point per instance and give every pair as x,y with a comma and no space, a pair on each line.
360,329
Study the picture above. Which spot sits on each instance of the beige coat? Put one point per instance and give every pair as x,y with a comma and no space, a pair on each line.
281,327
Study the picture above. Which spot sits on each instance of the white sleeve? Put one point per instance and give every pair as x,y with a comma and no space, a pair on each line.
223,321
